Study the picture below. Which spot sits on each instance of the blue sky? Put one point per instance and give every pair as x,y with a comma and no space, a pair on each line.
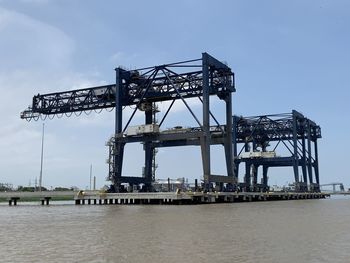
286,55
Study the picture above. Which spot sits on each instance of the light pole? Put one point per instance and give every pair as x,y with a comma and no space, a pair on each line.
90,176
42,158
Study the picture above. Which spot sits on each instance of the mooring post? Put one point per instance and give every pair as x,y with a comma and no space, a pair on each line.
13,200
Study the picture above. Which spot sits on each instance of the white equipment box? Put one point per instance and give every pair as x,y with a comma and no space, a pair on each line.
142,129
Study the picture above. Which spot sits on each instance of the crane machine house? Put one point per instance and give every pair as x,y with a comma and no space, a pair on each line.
142,129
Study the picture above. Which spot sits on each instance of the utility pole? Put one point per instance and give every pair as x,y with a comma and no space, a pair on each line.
90,176
42,158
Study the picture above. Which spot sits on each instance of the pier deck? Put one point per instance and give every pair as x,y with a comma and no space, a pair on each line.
96,197
189,197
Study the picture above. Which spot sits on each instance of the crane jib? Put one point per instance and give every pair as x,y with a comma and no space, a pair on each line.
163,85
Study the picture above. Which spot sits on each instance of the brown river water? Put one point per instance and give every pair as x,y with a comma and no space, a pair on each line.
280,231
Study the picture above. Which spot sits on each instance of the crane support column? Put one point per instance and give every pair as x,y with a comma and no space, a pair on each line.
304,158
265,178
119,151
228,142
148,153
205,142
295,153
309,152
317,176
234,142
247,170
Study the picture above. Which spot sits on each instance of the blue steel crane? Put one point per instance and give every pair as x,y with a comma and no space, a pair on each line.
199,78
294,132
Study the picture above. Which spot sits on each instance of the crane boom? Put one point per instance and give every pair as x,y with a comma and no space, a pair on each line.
70,101
159,83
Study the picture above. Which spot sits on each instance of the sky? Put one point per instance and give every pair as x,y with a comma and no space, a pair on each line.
285,54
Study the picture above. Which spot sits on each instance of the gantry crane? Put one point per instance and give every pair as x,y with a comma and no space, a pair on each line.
262,136
198,78
192,79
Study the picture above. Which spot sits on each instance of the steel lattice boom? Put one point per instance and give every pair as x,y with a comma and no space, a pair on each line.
159,83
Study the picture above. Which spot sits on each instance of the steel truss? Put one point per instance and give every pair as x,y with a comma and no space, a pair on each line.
292,131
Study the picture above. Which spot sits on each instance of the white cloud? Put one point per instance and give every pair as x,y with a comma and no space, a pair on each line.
36,58
29,43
